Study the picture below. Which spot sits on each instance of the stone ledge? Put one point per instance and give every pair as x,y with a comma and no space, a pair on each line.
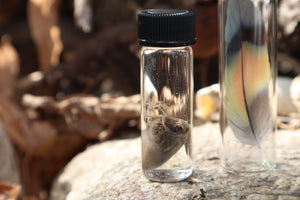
112,170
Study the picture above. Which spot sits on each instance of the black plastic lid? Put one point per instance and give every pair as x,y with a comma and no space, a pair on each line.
166,28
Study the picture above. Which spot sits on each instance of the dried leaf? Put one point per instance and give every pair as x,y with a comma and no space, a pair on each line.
15,123
120,107
41,165
44,26
9,67
9,191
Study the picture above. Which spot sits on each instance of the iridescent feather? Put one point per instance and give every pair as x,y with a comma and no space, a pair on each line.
247,73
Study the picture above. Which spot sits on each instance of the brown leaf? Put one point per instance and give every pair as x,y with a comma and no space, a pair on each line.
119,108
42,164
15,123
9,67
9,191
44,26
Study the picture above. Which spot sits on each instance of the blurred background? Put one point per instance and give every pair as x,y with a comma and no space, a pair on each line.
69,77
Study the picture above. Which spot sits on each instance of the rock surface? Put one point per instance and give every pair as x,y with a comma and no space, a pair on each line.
112,170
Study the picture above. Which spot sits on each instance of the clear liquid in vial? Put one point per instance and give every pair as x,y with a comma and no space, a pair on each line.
166,113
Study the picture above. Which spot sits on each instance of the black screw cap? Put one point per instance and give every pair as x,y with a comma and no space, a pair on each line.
166,28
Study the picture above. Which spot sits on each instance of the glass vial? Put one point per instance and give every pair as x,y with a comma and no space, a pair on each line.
166,92
248,79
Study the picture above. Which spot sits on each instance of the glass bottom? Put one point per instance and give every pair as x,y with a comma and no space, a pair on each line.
248,167
163,175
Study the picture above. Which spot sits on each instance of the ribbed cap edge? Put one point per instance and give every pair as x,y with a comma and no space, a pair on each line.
166,27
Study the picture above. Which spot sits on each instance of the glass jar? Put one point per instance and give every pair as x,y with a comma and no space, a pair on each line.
248,79
166,92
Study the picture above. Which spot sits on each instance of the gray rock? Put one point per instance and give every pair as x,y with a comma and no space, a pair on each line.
112,170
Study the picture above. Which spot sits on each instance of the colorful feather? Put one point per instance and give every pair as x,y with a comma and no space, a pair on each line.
247,79
247,74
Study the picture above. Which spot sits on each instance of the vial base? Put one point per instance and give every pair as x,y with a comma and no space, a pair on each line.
249,167
167,176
